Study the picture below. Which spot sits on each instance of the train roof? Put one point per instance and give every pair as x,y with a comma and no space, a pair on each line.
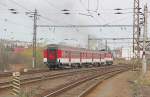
62,46
71,48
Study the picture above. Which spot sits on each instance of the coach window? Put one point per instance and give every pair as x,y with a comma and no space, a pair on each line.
83,55
66,54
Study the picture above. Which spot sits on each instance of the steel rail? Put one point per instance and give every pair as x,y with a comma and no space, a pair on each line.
7,84
92,87
78,82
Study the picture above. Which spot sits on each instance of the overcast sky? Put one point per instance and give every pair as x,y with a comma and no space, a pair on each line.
20,26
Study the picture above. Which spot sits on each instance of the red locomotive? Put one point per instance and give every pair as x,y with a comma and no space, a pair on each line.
59,56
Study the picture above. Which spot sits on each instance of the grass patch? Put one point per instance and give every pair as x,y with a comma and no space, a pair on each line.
139,81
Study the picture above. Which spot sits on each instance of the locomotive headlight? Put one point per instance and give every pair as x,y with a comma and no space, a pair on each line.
44,59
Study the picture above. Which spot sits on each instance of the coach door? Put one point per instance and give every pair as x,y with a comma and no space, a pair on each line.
80,58
52,53
69,57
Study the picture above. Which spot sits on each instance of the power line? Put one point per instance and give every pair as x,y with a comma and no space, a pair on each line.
89,13
59,10
120,19
15,23
121,43
88,5
119,9
19,5
121,38
52,5
84,26
47,18
97,6
41,16
2,4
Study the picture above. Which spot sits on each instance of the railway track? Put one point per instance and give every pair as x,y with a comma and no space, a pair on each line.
84,88
33,71
97,81
7,84
62,89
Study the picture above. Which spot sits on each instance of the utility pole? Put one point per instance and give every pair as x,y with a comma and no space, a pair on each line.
136,30
35,15
136,27
88,41
144,66
106,45
34,39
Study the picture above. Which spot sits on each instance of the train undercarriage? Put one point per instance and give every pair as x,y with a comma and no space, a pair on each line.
57,65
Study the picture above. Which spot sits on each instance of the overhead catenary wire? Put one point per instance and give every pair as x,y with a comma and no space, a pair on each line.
46,17
59,10
11,21
52,5
89,14
16,23
97,6
29,10
70,10
88,5
84,26
117,20
121,9
88,11
42,16
19,5
2,4
93,17
117,38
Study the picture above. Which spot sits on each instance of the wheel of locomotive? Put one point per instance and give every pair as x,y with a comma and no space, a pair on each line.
60,66
99,64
